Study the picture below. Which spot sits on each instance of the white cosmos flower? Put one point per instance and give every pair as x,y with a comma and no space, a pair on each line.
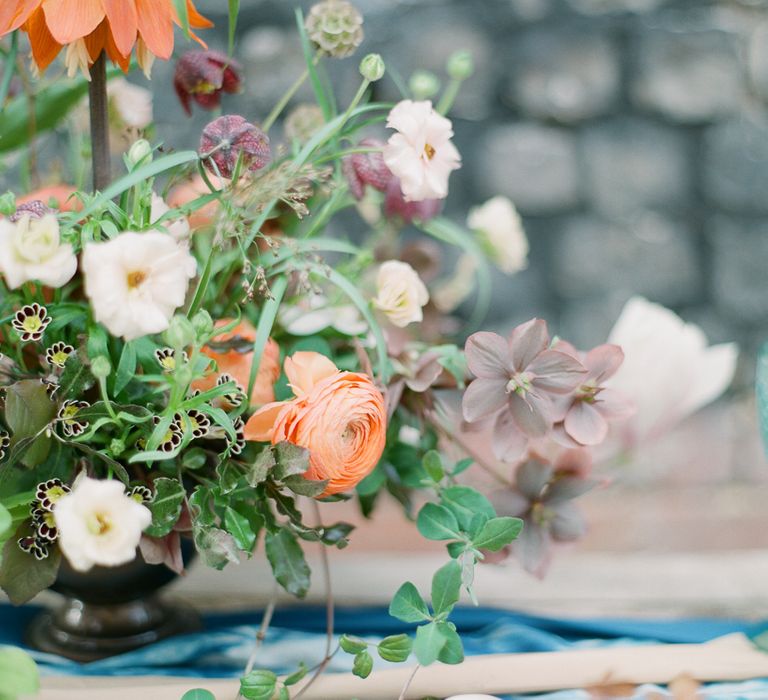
99,524
31,250
314,313
668,371
178,228
421,153
132,103
501,229
400,293
136,281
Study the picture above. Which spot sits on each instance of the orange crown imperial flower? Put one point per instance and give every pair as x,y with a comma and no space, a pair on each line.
88,27
340,417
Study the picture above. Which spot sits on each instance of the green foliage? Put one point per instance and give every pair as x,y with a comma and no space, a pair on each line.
408,605
28,410
198,694
6,521
352,645
498,533
363,664
165,506
395,648
22,576
18,674
436,522
446,586
287,561
258,685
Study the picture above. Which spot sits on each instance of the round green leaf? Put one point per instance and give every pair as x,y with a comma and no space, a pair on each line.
363,665
436,522
396,648
198,694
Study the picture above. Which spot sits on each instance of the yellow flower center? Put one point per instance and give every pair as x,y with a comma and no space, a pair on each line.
99,524
429,151
136,278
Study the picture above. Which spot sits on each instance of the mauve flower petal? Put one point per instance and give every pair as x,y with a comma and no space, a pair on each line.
576,461
557,372
509,442
527,341
483,398
531,415
585,424
603,361
532,548
511,503
532,477
488,356
613,405
567,488
568,524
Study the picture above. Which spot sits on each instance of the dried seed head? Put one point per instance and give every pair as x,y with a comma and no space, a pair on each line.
335,27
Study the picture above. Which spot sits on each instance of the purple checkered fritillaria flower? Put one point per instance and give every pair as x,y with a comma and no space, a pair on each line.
518,383
593,406
367,169
543,497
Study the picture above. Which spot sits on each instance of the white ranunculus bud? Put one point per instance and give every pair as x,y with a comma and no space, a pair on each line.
501,230
400,293
99,524
136,281
31,250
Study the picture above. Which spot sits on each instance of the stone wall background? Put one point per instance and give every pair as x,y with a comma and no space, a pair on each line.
631,134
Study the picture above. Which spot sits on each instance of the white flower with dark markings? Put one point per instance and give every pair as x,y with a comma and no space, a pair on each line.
99,524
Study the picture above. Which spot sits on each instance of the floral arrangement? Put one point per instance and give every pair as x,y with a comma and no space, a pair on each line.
191,350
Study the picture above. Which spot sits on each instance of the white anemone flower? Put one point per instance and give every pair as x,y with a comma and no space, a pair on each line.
31,250
99,524
136,281
131,103
421,153
178,228
315,313
400,293
501,230
669,371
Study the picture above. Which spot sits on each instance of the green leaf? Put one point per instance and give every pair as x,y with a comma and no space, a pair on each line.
287,561
498,533
453,650
234,9
465,502
396,648
462,466
198,694
264,326
216,547
408,605
258,685
18,673
126,368
324,99
182,10
230,477
6,521
76,377
362,665
433,465
165,506
261,468
452,359
435,522
22,576
305,487
428,643
446,587
291,460
352,645
336,534
296,676
240,528
27,411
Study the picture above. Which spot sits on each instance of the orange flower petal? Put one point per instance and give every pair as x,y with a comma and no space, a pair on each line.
69,20
155,20
260,426
123,22
305,369
14,13
44,47
196,19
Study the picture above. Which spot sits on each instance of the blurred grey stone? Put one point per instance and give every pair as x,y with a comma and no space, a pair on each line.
649,255
587,321
530,10
740,282
758,58
632,164
601,7
535,166
565,75
736,164
691,77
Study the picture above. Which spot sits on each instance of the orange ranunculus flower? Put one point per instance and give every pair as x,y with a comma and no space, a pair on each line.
340,417
190,190
88,27
237,361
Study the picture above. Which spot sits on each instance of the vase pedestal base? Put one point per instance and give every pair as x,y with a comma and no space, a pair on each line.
87,631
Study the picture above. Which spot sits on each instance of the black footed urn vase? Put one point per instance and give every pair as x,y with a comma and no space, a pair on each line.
110,611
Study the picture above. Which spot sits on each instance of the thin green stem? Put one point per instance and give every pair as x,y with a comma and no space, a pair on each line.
284,100
10,67
449,96
107,403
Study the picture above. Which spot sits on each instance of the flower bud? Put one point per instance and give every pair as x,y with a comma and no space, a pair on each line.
101,367
229,138
140,153
116,447
460,65
180,332
7,204
183,375
203,76
362,169
335,27
424,85
203,324
372,67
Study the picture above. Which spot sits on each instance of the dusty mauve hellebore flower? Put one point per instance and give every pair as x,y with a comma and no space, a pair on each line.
421,153
518,381
397,207
203,76
99,524
231,137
